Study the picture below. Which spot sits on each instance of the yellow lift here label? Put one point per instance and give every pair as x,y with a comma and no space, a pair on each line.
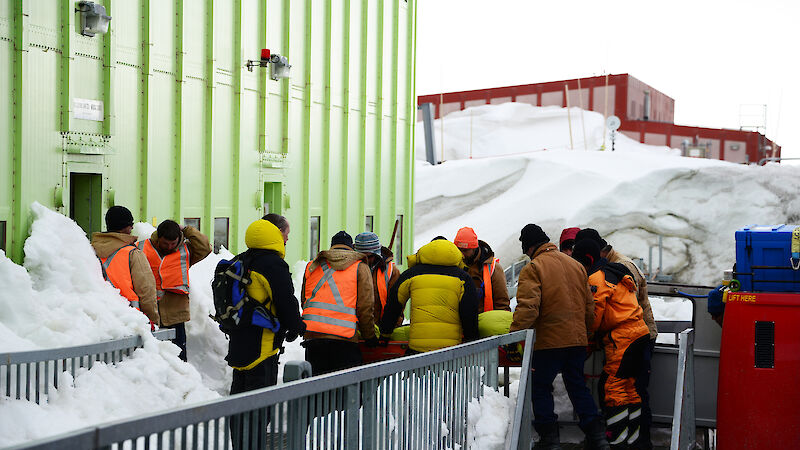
740,297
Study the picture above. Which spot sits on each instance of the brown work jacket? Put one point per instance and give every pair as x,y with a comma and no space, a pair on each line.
554,298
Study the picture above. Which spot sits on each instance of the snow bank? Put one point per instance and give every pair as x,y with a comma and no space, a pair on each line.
59,298
631,196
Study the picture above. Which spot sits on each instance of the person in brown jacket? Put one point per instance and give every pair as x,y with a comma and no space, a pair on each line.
384,271
171,251
554,298
485,271
643,378
134,279
337,300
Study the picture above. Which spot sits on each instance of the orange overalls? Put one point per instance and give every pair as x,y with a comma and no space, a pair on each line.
618,323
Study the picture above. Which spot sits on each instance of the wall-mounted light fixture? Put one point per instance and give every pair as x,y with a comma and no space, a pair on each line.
93,18
280,67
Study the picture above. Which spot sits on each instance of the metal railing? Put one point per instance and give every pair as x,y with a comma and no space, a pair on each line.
512,276
683,418
29,374
419,401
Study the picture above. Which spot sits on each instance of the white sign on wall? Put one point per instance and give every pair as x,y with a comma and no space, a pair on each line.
87,109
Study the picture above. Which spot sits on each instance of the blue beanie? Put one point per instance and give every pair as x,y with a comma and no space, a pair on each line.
367,242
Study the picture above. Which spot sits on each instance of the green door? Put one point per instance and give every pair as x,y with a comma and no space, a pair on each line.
85,201
272,198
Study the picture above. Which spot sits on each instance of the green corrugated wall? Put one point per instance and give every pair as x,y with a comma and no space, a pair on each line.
189,132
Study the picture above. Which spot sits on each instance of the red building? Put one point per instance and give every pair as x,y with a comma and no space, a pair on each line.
647,115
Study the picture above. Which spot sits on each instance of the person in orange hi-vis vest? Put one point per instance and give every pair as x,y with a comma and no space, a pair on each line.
124,265
384,271
171,251
619,327
337,301
485,271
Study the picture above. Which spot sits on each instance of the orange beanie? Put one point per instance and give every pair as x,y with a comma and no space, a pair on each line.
466,238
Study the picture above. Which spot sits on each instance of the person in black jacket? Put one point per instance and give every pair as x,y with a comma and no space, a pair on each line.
253,349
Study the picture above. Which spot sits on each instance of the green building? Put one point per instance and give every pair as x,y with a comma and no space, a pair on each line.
162,114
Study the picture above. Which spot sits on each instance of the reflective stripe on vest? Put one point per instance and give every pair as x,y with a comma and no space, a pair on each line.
325,309
117,271
383,287
488,270
172,271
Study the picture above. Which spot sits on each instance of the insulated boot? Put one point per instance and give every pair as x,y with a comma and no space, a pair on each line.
634,424
549,438
617,426
595,435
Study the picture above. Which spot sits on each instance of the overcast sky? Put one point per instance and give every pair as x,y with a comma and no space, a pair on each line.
710,56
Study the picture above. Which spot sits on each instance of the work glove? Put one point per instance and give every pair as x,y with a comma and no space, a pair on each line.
291,335
513,352
372,342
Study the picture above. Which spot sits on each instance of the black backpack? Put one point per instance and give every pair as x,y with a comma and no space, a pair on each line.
231,302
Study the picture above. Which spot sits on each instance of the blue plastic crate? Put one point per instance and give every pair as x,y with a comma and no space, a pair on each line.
764,259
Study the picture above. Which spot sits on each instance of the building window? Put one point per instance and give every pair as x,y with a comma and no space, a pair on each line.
398,241
314,235
3,235
368,223
220,233
193,222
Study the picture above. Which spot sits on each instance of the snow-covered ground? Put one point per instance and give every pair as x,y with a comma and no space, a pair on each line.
522,171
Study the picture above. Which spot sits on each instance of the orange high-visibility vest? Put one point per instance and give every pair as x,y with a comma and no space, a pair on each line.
382,279
488,270
329,300
172,271
117,271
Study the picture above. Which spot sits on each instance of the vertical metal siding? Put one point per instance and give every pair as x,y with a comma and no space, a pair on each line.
189,132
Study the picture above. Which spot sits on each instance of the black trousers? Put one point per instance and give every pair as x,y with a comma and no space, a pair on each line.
330,355
248,430
180,338
642,382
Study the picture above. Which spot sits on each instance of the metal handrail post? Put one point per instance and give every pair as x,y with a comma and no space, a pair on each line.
521,430
683,419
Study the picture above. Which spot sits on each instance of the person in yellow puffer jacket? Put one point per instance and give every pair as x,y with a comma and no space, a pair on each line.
619,326
444,302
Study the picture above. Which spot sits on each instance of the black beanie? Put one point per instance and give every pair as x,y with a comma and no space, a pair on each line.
532,235
592,234
586,252
118,217
342,238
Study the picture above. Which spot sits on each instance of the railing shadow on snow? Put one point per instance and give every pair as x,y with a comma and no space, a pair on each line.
29,374
418,401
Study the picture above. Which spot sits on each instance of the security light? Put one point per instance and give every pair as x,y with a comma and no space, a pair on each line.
279,67
93,18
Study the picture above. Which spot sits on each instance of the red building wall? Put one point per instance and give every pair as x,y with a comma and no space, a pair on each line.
623,96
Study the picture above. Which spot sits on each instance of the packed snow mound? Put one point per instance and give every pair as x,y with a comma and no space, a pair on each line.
59,298
631,197
152,379
516,128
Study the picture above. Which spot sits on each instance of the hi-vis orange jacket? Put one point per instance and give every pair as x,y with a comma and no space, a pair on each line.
172,271
382,277
329,300
116,270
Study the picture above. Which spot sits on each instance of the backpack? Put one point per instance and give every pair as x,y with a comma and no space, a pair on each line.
231,302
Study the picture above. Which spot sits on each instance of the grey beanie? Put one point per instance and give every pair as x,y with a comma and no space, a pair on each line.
367,242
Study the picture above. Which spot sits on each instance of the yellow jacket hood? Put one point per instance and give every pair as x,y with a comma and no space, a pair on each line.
439,252
264,235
